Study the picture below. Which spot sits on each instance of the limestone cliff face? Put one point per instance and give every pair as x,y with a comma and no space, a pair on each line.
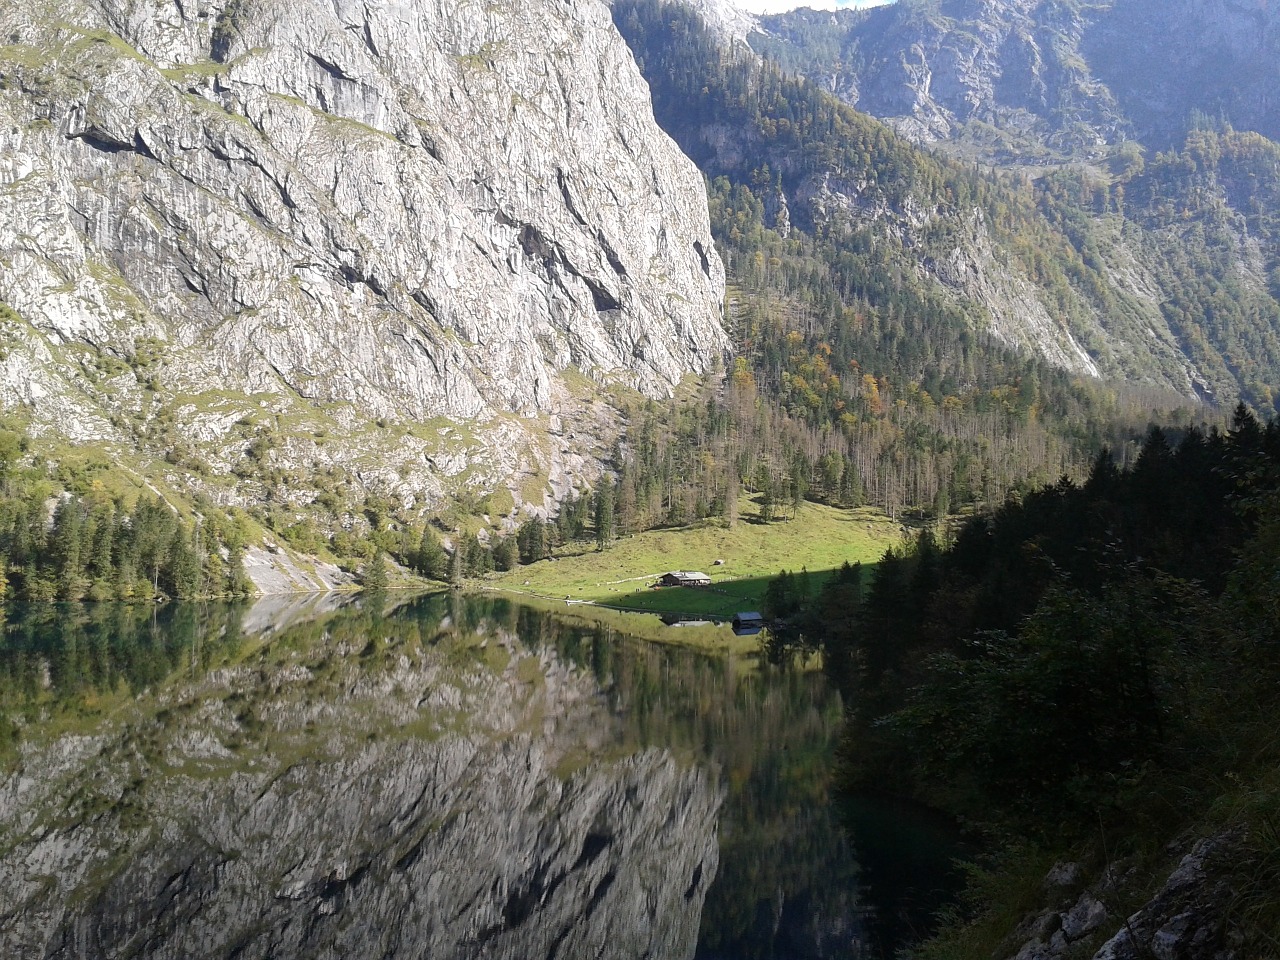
730,24
397,210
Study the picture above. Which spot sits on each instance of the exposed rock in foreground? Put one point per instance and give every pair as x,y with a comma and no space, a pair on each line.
1186,919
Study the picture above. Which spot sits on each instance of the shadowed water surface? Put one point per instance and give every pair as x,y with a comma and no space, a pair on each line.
444,776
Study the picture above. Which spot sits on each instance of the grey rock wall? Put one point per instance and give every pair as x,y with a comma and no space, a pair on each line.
404,210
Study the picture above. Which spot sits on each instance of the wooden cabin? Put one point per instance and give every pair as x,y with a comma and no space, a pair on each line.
684,578
747,623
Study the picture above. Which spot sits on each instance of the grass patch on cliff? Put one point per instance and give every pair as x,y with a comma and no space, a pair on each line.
819,539
202,70
97,39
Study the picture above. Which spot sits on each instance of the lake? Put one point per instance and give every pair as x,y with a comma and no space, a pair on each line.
443,776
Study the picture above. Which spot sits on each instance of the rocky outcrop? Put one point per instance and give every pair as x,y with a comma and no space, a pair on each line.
1185,920
276,570
726,20
930,70
335,801
1055,931
346,211
1168,60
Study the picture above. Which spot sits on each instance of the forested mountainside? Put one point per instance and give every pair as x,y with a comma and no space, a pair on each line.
1035,80
305,243
1162,272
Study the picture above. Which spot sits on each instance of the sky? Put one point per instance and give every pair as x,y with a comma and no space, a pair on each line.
777,6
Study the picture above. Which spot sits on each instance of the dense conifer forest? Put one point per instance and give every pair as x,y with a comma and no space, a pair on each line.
1093,662
64,537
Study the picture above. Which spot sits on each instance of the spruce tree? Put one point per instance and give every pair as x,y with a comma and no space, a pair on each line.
431,561
101,562
237,581
457,562
68,536
504,554
374,577
183,567
604,513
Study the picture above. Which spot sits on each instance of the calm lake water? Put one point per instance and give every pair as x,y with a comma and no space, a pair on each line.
448,776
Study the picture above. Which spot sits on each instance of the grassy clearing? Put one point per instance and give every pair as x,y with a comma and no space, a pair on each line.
819,539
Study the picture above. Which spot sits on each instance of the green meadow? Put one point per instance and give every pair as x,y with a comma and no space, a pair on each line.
818,539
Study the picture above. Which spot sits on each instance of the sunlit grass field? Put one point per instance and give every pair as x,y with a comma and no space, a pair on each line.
819,539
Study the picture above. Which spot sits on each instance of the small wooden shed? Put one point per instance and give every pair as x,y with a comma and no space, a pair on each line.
684,578
747,623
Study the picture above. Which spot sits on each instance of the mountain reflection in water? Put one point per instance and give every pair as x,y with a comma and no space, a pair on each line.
454,777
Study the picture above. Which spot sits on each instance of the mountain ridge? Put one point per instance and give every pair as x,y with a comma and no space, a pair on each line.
1038,80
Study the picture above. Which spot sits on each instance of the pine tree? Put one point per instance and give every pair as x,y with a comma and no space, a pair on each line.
374,576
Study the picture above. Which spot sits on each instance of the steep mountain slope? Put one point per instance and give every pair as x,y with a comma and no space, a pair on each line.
255,219
1082,272
1039,79
1194,233
1171,60
929,69
832,172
